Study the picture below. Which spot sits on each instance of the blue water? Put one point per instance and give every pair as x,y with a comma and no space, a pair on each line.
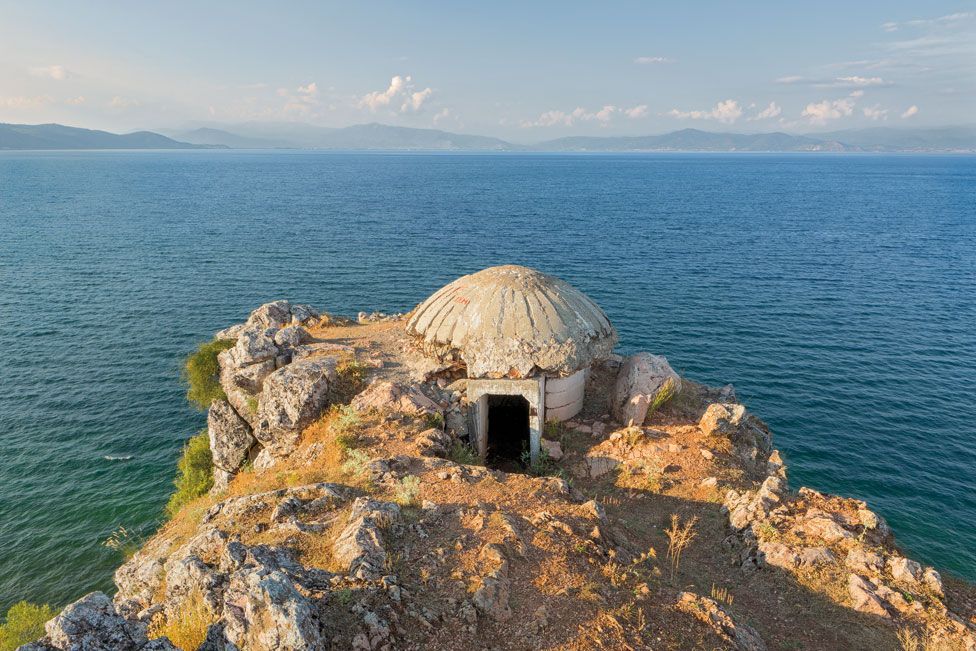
838,293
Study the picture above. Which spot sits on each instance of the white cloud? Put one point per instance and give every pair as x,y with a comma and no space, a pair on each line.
875,112
821,112
119,102
400,89
647,61
948,19
54,72
889,26
856,93
416,100
445,115
636,112
310,90
75,101
909,112
727,112
861,81
602,116
21,102
771,111
789,79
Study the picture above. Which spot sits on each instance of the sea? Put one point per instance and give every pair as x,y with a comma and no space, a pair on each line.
837,292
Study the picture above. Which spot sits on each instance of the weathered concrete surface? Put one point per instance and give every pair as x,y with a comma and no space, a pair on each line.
512,321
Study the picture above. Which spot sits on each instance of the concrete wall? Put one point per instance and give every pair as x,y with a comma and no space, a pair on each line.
564,395
532,389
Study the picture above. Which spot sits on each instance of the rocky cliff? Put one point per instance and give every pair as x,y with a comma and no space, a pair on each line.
348,513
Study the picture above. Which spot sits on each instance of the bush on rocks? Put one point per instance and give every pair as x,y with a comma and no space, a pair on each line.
202,373
24,623
195,473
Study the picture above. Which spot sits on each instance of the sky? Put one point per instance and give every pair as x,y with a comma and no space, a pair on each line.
523,71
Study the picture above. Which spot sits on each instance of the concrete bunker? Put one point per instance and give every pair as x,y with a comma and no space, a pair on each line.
525,342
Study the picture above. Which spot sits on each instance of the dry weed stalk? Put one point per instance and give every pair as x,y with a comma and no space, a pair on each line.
679,537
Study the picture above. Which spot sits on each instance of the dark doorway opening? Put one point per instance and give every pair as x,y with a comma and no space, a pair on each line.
508,431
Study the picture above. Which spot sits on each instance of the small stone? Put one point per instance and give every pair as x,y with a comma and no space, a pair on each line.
707,454
709,482
553,449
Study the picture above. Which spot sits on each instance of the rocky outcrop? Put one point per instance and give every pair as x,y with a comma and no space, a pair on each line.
492,595
230,436
360,547
642,379
93,624
745,638
750,437
382,395
293,396
263,611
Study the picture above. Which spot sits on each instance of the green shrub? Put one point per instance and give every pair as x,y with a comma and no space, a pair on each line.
202,373
195,475
350,380
356,463
544,465
408,492
24,623
464,454
434,419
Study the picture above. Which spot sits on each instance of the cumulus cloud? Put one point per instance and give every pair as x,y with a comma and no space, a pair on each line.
771,111
445,115
602,116
822,112
75,101
636,112
648,61
53,72
401,90
309,90
727,112
910,112
875,112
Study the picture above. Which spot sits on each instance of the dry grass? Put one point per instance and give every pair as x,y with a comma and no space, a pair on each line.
679,537
721,593
187,627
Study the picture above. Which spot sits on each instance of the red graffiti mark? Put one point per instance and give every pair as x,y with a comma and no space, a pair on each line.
461,300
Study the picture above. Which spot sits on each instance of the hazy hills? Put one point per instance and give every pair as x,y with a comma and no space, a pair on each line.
256,135
56,136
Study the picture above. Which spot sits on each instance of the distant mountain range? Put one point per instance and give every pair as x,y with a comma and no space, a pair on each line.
56,136
255,135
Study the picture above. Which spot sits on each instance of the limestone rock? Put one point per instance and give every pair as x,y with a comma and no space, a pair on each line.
823,528
749,435
139,578
92,624
434,442
276,314
904,570
492,596
230,333
254,344
360,547
292,398
382,395
933,581
640,380
302,314
598,465
230,436
745,638
864,596
864,561
291,336
263,611
552,448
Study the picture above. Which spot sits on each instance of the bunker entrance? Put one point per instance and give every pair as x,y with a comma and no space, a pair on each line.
508,431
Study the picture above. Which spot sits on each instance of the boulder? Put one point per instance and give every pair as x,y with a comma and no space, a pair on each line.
139,578
92,624
553,449
263,611
230,436
302,314
642,378
864,561
276,314
382,395
904,570
864,596
292,398
230,333
360,547
254,344
291,336
492,596
823,528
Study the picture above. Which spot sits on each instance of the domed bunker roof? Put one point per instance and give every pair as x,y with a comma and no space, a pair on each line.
512,321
